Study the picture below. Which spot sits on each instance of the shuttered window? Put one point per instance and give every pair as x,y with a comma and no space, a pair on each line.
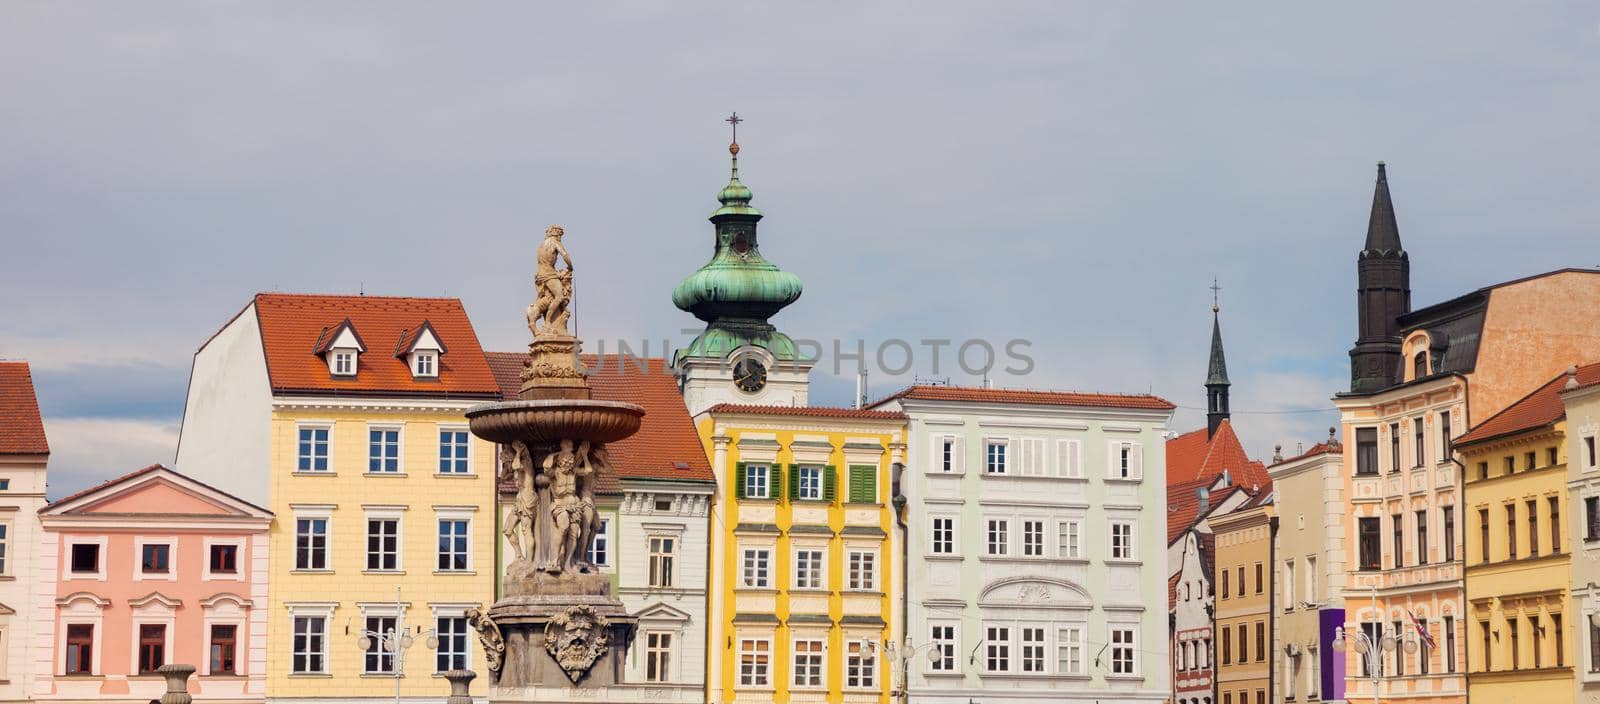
863,484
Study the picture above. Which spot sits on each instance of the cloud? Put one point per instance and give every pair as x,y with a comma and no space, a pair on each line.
87,451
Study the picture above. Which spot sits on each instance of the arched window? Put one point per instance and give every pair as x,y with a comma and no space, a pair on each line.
1419,365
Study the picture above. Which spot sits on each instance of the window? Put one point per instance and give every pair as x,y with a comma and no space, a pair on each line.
224,649
756,564
383,544
1068,544
1288,585
1261,584
225,559
944,536
1033,650
1555,626
1511,627
755,482
1534,631
860,664
1225,584
344,363
753,655
1449,536
1394,447
1511,466
1122,541
425,364
383,451
1033,538
662,554
1533,528
1241,580
85,558
1529,460
152,647
947,452
1483,531
1488,653
1261,641
944,644
863,484
1419,365
808,569
1367,451
808,483
1397,530
313,455
1399,653
452,652
994,452
1588,451
155,558
311,544
1594,646
657,656
1445,446
1555,524
1449,644
1227,646
80,649
997,649
1591,511
1069,650
1551,457
1127,461
1313,677
1422,445
600,549
1244,643
1123,661
998,536
1483,470
454,452
808,663
1422,537
1311,579
453,540
1511,531
310,645
863,576
379,658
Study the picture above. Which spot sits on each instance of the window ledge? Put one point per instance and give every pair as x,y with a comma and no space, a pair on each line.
1125,678
942,557
938,473
862,592
757,590
456,475
312,473
1125,480
1124,561
383,474
381,676
383,571
310,571
7,578
467,573
309,675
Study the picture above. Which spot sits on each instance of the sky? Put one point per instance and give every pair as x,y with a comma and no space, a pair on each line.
1070,174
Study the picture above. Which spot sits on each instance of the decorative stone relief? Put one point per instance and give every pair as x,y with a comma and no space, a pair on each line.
576,638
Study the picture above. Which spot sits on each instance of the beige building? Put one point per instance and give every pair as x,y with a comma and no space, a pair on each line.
1245,598
1308,495
1582,403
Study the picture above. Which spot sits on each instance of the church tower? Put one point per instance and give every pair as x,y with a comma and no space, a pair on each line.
1383,294
1216,376
740,357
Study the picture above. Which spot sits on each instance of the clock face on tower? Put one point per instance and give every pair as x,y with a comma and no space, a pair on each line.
749,374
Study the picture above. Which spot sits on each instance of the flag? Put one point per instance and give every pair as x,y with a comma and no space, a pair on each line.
1422,631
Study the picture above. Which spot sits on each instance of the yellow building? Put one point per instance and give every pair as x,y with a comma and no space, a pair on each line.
1244,602
1519,553
803,583
345,416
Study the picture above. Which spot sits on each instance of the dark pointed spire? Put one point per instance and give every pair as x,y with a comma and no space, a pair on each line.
1217,373
1383,234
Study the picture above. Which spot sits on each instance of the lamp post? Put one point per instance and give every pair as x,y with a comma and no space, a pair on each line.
395,641
902,655
1363,644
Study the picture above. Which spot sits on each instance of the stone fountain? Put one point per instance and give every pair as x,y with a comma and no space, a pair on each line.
556,627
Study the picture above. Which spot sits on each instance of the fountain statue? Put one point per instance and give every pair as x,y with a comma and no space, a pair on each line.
556,626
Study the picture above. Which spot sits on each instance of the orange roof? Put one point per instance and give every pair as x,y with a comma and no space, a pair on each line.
1321,448
21,429
1192,456
1541,408
293,325
1026,396
667,445
806,411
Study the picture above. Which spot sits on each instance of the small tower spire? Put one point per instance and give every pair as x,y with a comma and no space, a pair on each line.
1383,294
1217,373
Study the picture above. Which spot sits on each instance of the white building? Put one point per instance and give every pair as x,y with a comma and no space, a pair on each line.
1036,566
23,455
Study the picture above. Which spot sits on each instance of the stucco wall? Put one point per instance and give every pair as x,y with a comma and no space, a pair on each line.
226,413
1533,330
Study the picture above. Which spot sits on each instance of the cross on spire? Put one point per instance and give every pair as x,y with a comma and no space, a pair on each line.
734,120
1216,295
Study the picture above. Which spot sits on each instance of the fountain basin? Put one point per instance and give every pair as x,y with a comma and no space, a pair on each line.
548,421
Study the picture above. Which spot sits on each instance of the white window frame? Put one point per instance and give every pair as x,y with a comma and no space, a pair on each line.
817,659
397,515
817,571
1032,461
1070,450
1289,577
865,652
1042,544
327,457
1041,649
340,354
1133,541
171,575
239,558
953,465
948,648
989,544
82,609
324,611
459,513
1069,648
750,471
99,575
1132,647
600,550
755,679
1589,447
324,514
226,610
451,611
653,651
6,555
951,544
817,473
1115,460
756,568
425,364
471,452
662,563
996,646
858,579
1072,547
989,467
399,431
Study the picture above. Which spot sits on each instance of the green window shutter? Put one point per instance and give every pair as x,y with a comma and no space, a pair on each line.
830,481
863,484
738,481
793,474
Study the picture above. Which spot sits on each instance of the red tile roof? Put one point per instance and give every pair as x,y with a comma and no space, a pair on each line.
667,445
293,324
135,474
805,411
1192,456
1027,396
1321,448
21,429
1541,408
1183,503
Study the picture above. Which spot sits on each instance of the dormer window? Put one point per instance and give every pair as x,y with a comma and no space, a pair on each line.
341,347
425,363
1419,365
344,363
421,347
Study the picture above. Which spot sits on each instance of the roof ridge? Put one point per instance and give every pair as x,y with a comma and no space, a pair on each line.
356,296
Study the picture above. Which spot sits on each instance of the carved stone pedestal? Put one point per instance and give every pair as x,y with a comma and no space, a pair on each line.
558,643
551,370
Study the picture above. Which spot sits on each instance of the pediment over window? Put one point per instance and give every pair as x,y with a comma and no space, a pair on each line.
80,600
341,347
6,610
421,349
226,600
155,601
1033,592
662,612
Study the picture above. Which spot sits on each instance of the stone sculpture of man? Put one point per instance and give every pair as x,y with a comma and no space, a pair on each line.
548,315
566,508
519,530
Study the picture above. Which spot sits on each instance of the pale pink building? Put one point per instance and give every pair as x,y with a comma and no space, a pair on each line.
148,569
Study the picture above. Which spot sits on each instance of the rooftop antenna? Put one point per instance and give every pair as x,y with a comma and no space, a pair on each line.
861,387
361,288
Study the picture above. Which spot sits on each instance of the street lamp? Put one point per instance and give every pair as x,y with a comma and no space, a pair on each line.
903,655
1362,643
395,642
